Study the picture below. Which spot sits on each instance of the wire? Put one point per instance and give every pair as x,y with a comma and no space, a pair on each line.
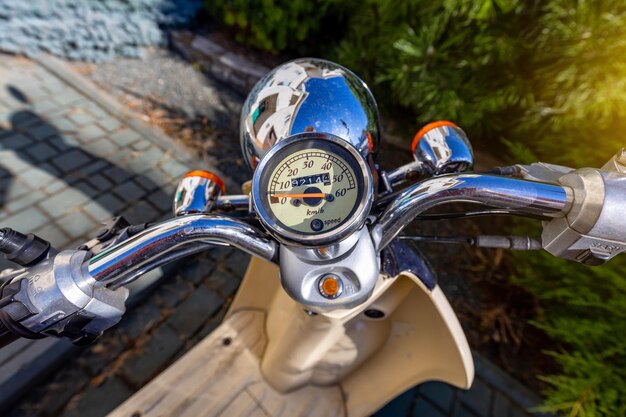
523,243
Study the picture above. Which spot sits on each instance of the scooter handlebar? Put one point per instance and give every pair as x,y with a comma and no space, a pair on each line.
514,195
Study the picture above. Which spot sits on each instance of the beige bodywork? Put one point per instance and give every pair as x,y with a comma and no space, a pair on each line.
282,361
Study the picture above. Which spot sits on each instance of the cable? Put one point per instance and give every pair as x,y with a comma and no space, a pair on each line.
522,243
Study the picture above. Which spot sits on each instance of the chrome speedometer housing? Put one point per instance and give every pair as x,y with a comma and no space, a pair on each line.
312,190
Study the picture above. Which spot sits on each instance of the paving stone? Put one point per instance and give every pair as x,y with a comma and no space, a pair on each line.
90,132
189,315
49,169
125,137
151,357
54,187
15,190
41,151
110,123
141,320
478,397
36,178
117,174
12,161
100,183
71,160
87,188
172,292
121,158
199,269
141,145
161,200
140,212
107,396
146,183
54,235
23,119
423,408
103,147
219,253
64,124
95,166
60,143
399,406
57,396
15,141
102,355
76,224
439,393
97,212
26,221
238,262
174,168
129,191
81,118
501,405
66,200
109,203
42,131
67,97
225,283
23,202
46,106
146,161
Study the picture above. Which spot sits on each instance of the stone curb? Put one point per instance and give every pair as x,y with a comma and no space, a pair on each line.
230,68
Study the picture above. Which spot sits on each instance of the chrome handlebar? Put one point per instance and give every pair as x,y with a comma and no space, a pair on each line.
174,239
518,196
188,234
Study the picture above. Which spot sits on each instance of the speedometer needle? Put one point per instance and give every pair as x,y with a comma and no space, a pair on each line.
311,195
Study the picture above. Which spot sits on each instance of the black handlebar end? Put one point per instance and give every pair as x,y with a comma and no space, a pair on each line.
24,250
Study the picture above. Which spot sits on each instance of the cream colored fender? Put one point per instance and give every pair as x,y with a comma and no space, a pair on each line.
282,361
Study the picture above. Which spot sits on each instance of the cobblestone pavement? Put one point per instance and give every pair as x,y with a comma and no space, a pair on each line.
65,165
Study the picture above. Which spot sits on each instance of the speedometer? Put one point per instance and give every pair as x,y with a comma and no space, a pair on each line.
313,189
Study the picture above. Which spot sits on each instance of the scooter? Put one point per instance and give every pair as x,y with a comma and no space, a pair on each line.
337,314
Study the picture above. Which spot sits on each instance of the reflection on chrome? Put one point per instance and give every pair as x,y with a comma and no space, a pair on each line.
443,149
174,239
518,196
308,95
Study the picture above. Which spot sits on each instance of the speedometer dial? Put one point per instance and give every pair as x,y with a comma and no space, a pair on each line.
313,189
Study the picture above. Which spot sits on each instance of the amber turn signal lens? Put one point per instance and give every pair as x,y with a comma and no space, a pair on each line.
330,286
208,175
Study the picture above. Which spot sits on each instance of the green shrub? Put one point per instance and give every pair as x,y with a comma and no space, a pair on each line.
272,25
585,310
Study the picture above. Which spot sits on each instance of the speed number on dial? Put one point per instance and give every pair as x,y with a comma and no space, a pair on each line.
312,190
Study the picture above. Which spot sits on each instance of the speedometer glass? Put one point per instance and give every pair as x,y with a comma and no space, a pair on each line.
312,189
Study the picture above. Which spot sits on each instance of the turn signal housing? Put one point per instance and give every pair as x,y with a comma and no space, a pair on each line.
442,147
197,192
